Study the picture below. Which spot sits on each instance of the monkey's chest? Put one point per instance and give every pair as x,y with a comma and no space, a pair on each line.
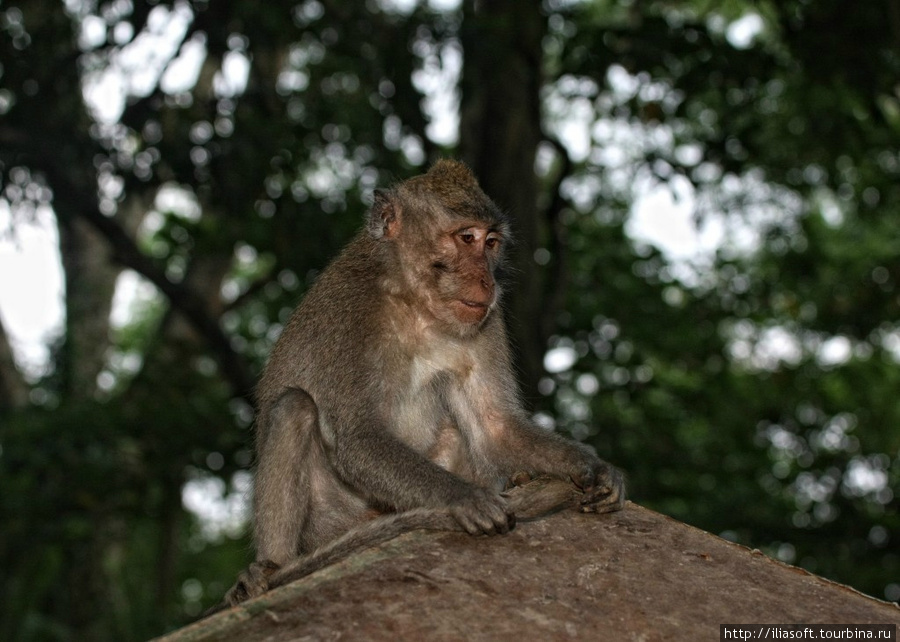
424,414
435,417
432,429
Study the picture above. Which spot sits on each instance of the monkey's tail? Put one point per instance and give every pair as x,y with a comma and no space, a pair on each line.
377,531
536,499
530,501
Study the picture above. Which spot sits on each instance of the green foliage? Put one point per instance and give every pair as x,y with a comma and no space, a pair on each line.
91,491
794,453
750,393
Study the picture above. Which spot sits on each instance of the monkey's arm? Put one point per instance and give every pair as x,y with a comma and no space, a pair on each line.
518,444
527,447
393,475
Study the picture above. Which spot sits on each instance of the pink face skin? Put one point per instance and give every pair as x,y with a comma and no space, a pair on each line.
475,250
450,272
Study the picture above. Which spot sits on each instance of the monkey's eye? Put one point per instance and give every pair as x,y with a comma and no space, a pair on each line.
492,242
467,237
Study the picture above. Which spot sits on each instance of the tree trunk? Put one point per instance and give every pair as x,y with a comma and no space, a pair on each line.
90,278
499,133
13,389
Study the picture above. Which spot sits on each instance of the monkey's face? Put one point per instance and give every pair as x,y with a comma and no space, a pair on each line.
444,237
462,274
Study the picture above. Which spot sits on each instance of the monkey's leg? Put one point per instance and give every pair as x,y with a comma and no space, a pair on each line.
288,431
300,504
282,491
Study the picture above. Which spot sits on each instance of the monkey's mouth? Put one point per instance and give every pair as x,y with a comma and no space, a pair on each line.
471,311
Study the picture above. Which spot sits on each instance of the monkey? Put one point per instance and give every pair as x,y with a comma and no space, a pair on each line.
389,401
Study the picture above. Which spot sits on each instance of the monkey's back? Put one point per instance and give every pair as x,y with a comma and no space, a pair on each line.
326,333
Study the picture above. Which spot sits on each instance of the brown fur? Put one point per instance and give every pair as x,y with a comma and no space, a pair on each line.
391,390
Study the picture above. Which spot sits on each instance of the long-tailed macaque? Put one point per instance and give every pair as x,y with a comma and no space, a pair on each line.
389,402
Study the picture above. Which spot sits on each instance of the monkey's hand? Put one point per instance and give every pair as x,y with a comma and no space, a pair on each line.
251,583
603,487
482,511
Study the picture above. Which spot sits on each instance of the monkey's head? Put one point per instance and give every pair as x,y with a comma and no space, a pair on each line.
444,240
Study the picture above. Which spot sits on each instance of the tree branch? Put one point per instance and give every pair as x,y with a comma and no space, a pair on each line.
80,201
180,295
558,269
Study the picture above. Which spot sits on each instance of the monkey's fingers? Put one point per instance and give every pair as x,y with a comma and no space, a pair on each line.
604,498
472,523
599,476
252,582
484,512
494,522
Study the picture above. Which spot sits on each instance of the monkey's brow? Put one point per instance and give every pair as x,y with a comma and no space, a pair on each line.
491,229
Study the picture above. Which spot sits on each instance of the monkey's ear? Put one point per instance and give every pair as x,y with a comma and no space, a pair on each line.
384,218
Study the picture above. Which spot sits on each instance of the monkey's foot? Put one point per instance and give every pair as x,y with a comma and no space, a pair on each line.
534,496
532,499
251,583
607,492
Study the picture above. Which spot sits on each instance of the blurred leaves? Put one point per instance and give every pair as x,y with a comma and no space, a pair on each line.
749,390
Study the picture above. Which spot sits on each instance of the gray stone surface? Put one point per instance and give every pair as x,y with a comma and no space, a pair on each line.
632,575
